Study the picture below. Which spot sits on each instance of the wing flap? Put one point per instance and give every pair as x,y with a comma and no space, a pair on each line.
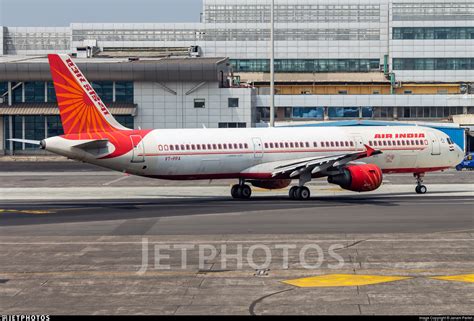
312,165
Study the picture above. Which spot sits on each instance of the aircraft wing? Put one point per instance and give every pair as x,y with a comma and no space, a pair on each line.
310,165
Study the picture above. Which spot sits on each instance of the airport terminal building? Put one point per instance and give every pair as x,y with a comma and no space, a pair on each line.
406,60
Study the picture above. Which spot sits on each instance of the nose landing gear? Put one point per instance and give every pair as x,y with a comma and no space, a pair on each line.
241,190
420,188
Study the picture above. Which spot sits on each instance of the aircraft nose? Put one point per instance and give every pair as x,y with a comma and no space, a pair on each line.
459,154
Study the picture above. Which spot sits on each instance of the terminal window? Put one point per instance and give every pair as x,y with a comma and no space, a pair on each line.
199,103
232,125
233,102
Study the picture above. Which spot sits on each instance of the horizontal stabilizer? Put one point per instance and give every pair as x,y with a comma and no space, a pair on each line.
92,144
26,141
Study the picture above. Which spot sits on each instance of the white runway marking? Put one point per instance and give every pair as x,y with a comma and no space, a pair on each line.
229,242
116,180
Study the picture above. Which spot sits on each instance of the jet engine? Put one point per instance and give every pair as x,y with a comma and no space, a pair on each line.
271,183
358,178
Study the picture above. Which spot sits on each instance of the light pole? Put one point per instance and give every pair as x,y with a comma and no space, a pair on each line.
272,64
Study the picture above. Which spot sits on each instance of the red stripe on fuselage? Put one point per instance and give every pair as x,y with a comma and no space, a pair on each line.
283,151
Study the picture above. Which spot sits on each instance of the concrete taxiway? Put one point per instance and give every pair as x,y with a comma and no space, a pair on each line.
73,238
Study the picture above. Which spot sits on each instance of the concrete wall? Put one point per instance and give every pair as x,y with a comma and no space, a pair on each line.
2,31
1,134
169,106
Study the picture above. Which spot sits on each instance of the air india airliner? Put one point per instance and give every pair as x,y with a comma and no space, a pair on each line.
354,158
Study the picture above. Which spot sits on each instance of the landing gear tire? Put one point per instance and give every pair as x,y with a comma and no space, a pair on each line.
299,193
304,193
292,191
241,191
235,191
421,189
246,192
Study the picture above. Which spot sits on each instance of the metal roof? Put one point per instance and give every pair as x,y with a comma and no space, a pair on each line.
29,109
375,123
16,68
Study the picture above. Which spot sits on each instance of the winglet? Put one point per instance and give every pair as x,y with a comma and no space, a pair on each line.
369,150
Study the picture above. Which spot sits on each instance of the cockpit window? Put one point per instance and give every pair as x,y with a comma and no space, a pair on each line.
449,140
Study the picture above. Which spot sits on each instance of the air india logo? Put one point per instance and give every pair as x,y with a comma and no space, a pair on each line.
86,86
400,135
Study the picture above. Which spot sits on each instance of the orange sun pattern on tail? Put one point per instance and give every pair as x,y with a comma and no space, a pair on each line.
79,113
83,114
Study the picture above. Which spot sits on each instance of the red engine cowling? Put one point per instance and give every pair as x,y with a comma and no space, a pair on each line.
271,183
358,178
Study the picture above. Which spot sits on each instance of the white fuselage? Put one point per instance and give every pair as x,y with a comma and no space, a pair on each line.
244,152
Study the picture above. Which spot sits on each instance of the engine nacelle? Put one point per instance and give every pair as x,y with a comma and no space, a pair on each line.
271,183
358,178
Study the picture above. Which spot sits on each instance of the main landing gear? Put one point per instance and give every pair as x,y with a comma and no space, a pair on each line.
241,190
299,193
420,188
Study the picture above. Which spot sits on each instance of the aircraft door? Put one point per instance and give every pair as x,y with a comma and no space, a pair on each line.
257,147
435,147
138,151
358,142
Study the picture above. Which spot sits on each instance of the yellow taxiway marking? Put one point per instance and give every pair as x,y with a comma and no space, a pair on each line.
34,212
333,280
458,278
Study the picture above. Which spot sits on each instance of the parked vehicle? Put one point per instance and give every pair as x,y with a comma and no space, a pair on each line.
467,162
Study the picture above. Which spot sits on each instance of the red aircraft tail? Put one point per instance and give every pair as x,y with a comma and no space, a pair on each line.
81,109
